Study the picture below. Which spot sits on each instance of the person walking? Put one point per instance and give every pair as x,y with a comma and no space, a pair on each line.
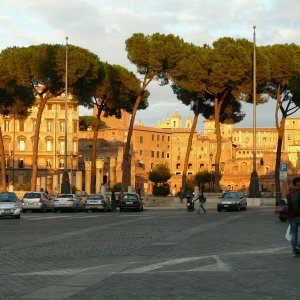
202,200
293,200
113,201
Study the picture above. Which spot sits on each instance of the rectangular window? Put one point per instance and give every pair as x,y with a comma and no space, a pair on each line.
22,145
62,147
168,138
141,139
168,155
152,153
6,162
163,138
49,126
48,146
21,125
157,137
62,126
163,154
21,162
61,163
62,107
49,107
6,125
157,154
141,152
152,137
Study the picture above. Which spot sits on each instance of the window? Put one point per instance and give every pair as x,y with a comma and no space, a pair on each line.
163,138
141,139
6,125
168,155
21,145
21,125
48,146
21,162
49,126
157,154
62,147
6,162
168,138
152,137
49,107
151,167
190,166
177,166
163,154
62,126
62,107
157,138
61,163
141,152
152,153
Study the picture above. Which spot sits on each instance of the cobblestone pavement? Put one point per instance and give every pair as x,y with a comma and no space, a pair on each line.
155,254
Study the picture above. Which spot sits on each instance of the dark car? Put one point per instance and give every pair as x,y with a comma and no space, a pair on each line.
281,210
130,201
232,200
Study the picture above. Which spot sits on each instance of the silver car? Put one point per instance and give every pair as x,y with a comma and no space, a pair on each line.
67,202
9,205
97,202
232,200
36,201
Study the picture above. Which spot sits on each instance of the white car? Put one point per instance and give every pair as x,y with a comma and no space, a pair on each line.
9,205
97,202
36,201
67,202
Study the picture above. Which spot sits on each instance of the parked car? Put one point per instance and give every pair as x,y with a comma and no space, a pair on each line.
232,200
281,210
130,201
9,205
96,202
67,202
36,201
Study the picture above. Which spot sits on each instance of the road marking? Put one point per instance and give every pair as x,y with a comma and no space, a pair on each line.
59,217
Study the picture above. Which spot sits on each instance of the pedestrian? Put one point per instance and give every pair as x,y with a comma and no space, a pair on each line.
181,194
113,200
293,200
202,200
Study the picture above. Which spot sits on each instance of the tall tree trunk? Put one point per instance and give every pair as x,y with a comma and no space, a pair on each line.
94,151
126,167
3,170
280,130
43,100
219,144
188,150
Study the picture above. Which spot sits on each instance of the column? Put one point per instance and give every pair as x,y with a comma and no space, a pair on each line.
55,184
88,174
99,173
43,183
79,180
112,171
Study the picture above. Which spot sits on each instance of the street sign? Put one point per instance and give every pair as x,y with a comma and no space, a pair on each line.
283,167
282,176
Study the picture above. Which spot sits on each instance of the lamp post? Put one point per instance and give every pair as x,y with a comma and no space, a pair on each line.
65,184
254,185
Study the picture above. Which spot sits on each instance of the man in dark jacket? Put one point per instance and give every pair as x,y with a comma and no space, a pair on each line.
293,199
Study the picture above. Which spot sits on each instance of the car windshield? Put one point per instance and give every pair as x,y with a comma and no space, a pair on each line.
230,195
66,196
32,195
8,197
95,197
129,197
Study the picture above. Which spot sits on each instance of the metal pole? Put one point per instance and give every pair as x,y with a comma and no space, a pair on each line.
254,99
65,186
13,154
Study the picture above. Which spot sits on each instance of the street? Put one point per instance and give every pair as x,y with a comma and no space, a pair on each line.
154,254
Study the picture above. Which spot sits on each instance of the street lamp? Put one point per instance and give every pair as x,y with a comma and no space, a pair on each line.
65,184
254,185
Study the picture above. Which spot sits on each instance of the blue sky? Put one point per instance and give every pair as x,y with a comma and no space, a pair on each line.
103,26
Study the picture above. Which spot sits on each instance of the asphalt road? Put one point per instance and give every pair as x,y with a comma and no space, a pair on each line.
154,254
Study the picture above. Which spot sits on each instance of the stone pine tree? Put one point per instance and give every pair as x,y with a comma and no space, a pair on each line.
15,101
116,90
188,85
42,67
154,56
282,87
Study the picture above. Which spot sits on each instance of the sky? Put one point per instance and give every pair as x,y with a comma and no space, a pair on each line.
103,27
